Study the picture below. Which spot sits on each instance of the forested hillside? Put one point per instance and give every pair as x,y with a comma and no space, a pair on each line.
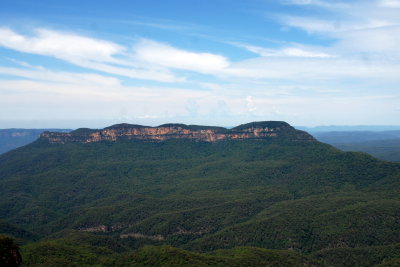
256,202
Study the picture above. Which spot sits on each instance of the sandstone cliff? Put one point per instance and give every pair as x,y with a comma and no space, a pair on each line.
254,130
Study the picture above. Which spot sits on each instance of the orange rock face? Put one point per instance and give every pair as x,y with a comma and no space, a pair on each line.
162,133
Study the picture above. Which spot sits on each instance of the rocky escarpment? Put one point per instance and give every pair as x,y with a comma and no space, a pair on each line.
254,130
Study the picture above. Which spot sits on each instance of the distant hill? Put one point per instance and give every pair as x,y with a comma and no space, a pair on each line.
263,194
355,136
383,145
14,138
350,128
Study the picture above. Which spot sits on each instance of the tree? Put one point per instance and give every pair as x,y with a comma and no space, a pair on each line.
9,252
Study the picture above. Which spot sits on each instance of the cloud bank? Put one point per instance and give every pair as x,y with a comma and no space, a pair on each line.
351,70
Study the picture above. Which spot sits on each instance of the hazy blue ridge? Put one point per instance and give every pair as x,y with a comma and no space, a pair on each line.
14,138
384,145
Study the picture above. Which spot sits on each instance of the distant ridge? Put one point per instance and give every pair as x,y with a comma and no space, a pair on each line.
16,137
124,131
349,128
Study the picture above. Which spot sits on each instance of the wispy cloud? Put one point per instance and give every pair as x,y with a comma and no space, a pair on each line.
152,60
319,3
333,27
390,3
42,74
164,55
69,47
85,52
364,37
311,69
155,23
285,52
287,80
352,16
147,59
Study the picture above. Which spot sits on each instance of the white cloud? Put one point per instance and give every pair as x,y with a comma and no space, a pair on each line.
297,52
334,27
168,56
148,60
42,74
375,42
285,52
352,16
65,100
390,3
364,39
157,61
287,82
317,25
58,101
311,25
320,3
60,45
85,52
300,70
150,73
251,107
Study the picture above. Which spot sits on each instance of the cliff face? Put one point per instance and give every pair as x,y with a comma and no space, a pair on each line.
255,130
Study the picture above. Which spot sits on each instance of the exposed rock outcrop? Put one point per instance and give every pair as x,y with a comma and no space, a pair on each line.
254,130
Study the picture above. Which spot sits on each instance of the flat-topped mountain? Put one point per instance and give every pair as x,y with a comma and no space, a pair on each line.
265,185
253,130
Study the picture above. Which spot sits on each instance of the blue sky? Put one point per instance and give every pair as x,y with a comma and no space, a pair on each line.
96,63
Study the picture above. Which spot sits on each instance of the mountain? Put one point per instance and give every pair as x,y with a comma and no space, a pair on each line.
383,145
204,194
14,138
349,128
257,130
348,137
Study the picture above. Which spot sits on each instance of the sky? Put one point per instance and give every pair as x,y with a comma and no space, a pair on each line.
94,63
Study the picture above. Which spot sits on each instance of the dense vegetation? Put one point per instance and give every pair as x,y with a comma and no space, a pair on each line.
232,203
63,252
382,149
